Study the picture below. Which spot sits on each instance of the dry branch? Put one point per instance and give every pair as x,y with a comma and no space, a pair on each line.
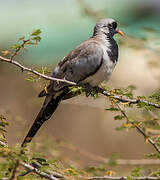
120,178
100,90
140,130
14,170
23,68
40,173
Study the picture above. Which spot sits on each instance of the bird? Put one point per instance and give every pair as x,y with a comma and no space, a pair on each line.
91,63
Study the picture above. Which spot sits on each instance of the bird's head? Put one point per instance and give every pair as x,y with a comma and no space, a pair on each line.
108,27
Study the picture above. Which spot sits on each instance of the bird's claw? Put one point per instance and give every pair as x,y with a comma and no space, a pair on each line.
89,90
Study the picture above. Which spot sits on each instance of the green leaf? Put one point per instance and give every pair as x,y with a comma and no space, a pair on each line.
2,117
153,155
112,159
156,173
21,38
120,128
136,172
129,178
3,123
42,161
2,130
36,32
94,95
112,109
36,38
142,105
118,117
16,46
30,79
30,43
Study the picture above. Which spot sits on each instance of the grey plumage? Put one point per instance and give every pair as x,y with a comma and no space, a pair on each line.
91,62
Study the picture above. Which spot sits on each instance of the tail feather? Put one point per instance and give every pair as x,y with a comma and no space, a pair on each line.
49,106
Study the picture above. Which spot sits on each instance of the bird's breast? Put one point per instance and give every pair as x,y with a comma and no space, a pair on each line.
104,71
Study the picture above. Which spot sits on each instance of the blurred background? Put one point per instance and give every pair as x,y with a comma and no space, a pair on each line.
64,25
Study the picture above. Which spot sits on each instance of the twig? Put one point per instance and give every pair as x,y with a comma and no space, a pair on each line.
121,178
14,170
40,173
100,90
23,68
127,100
3,144
18,49
139,129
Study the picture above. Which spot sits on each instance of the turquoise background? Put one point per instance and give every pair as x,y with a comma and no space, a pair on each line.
64,25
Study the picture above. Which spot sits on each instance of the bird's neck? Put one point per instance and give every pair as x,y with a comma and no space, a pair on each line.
109,43
105,37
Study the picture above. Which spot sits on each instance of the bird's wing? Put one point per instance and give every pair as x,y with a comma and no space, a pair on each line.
80,63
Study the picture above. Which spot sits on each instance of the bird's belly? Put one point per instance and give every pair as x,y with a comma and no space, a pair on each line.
102,74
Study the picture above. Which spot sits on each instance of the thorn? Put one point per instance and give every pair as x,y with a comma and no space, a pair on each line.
136,125
46,90
146,140
110,173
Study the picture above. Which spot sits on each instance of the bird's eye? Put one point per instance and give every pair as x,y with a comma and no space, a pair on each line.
114,25
110,25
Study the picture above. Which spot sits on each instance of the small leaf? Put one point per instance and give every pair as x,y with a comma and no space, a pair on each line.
112,109
16,46
118,117
21,38
153,155
36,38
29,43
36,32
136,172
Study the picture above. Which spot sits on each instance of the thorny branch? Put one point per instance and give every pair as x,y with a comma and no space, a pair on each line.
138,128
19,48
120,178
41,173
100,90
23,68
14,170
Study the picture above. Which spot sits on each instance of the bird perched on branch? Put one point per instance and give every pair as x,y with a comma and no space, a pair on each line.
91,63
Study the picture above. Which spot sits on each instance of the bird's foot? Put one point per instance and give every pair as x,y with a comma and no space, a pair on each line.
90,90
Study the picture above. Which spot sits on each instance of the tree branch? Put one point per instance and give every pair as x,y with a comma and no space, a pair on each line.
100,90
120,178
14,170
23,68
40,173
127,100
139,129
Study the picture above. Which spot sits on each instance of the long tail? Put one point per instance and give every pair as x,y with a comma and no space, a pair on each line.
49,106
